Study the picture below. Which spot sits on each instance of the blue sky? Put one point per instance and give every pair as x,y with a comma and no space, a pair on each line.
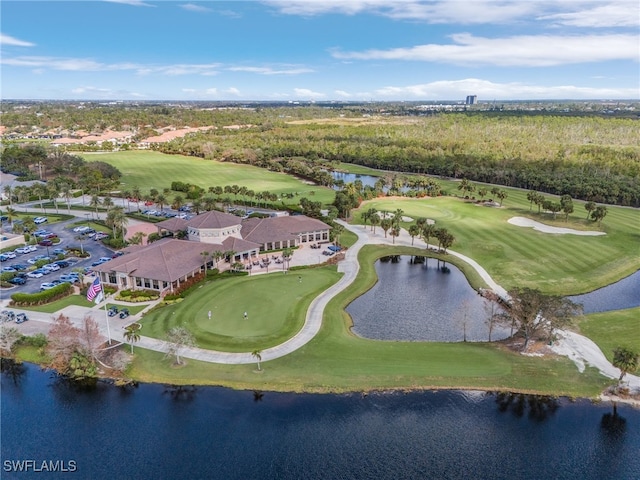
320,50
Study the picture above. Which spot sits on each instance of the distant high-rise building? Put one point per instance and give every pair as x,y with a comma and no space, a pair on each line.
471,100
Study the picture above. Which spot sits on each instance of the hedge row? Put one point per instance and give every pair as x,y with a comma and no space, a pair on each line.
40,298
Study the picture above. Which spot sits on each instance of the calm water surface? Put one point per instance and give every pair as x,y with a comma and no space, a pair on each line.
617,296
157,432
420,302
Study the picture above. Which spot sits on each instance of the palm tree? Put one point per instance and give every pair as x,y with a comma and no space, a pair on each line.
178,201
135,192
53,191
428,231
375,220
626,360
39,190
395,232
81,239
126,195
131,334
337,231
257,354
217,256
107,202
95,202
205,255
287,253
385,224
12,213
65,189
414,231
397,217
8,190
161,200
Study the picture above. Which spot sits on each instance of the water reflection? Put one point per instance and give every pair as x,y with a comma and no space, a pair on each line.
537,407
422,299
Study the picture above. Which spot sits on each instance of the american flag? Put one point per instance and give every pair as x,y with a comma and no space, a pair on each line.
94,289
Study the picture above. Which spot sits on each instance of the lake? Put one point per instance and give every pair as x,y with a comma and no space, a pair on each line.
418,301
623,294
158,432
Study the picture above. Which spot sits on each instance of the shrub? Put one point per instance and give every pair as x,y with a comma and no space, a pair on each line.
38,340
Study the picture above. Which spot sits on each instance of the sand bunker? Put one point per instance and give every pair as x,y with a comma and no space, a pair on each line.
541,227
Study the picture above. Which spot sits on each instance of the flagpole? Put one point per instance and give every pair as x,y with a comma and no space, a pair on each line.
106,316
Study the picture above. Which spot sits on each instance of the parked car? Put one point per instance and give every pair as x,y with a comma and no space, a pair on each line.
21,317
113,311
104,259
45,243
35,274
59,251
51,266
69,278
7,315
62,263
41,233
3,257
10,255
47,285
17,281
23,250
81,229
124,313
20,266
8,270
32,248
39,220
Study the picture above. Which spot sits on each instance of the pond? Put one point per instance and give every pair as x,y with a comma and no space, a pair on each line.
623,294
421,302
156,432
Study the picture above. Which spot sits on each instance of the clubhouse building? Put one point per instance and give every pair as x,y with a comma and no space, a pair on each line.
167,263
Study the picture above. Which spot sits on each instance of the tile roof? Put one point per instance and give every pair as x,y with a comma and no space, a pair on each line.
164,260
239,245
174,224
274,229
213,219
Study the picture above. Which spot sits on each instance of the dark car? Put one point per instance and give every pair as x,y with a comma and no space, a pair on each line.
17,281
124,313
21,317
112,312
62,263
45,243
20,267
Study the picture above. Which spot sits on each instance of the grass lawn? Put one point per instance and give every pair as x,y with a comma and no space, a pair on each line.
150,170
517,256
336,360
610,330
53,307
276,306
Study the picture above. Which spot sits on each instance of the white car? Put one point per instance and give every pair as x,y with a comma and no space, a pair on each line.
47,285
34,274
81,229
23,250
32,248
39,220
10,254
52,267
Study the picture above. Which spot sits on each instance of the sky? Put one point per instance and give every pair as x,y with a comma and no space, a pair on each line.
320,50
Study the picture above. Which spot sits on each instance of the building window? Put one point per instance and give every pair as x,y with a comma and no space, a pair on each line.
112,278
147,284
138,282
155,285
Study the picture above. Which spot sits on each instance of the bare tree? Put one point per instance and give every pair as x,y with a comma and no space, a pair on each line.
63,340
8,337
179,338
493,310
89,337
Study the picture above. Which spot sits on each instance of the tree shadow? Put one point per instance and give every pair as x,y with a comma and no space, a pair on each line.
13,370
537,407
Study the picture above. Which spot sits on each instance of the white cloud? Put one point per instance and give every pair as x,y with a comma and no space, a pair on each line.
86,92
581,13
622,13
271,71
211,91
343,94
306,93
15,42
189,90
524,50
133,3
88,65
191,7
488,91
444,11
233,91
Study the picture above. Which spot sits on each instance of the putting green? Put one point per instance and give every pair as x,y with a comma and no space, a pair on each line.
275,304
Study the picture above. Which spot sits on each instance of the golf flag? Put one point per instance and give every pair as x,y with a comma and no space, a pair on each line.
95,291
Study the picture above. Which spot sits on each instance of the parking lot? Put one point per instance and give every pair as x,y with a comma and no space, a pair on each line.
60,265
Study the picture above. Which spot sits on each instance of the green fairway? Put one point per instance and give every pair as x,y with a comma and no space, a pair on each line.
610,330
150,170
276,305
521,257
